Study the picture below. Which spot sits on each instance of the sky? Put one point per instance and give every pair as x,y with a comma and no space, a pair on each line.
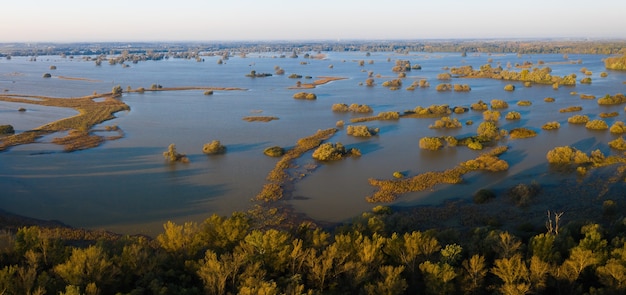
259,20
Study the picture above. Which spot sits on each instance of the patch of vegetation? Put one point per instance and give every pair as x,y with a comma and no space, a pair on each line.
612,100
483,196
254,74
587,96
549,99
333,151
305,95
597,125
462,88
578,119
171,155
384,116
618,127
446,122
274,151
355,108
513,115
509,87
259,118
479,106
430,143
491,115
214,147
616,63
47,75
429,112
523,194
443,87
361,131
618,143
521,133
571,109
6,129
524,103
388,190
551,125
608,115
499,104
586,80
444,76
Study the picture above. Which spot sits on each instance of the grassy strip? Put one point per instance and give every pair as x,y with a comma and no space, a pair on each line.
278,177
90,114
388,190
321,81
259,118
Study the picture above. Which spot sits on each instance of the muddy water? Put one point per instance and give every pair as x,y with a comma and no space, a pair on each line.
126,186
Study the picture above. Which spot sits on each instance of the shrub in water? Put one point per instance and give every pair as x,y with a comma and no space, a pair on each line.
213,148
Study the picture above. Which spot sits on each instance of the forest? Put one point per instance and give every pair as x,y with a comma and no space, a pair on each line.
261,252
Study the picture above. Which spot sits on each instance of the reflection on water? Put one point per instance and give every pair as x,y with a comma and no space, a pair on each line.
126,186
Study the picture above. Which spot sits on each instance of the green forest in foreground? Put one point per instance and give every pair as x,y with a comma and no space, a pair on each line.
268,251
260,252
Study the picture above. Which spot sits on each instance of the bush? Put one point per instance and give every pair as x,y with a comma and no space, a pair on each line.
479,106
305,95
361,130
522,133
604,74
566,155
490,115
587,96
551,125
549,99
597,125
274,151
608,115
398,174
389,115
524,103
578,119
483,196
6,129
395,83
509,87
431,143
487,131
213,148
522,194
339,124
499,104
618,144
173,156
462,88
340,107
360,108
611,100
618,127
446,122
459,110
444,87
513,116
208,92
571,109
444,76
330,152
586,80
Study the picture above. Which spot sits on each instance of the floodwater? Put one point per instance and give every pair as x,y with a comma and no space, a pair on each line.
126,186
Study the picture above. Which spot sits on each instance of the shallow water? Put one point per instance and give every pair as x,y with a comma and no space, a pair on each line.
126,186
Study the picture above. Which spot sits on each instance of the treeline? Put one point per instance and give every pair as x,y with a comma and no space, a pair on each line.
295,48
245,254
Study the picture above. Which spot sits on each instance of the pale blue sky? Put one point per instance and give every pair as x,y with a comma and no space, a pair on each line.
208,20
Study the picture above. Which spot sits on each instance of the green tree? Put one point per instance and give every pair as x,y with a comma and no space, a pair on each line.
391,281
85,266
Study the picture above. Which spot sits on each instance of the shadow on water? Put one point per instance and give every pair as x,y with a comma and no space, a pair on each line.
246,147
366,147
100,187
